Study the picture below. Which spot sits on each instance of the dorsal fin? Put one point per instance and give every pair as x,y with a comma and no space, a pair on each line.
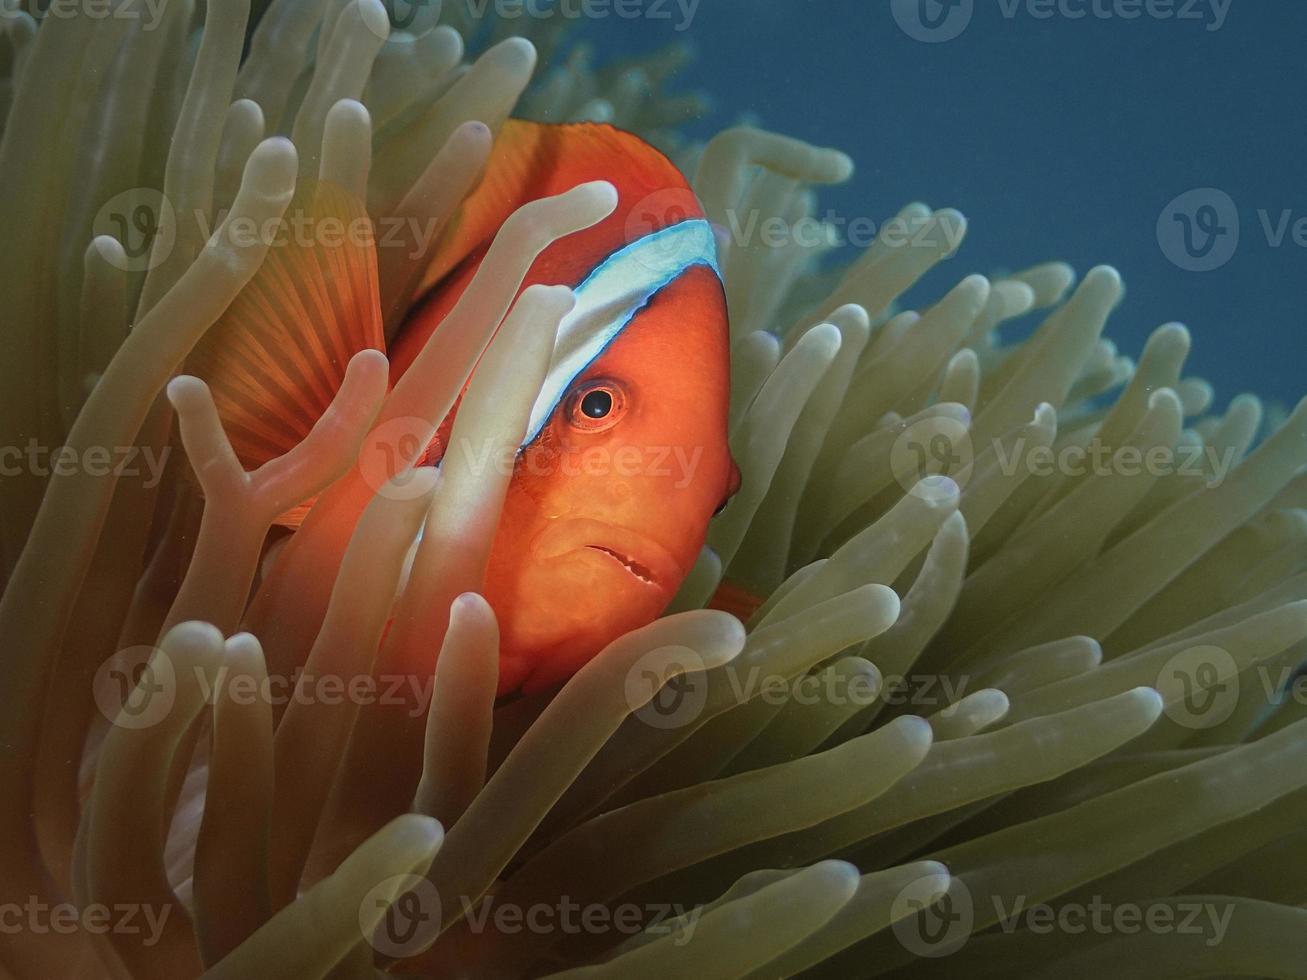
534,160
277,356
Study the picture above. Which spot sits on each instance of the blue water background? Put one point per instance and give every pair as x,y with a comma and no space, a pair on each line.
1059,138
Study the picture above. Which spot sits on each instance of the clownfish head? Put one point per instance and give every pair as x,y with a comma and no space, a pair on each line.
626,461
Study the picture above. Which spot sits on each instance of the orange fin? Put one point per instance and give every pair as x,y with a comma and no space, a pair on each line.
532,160
277,356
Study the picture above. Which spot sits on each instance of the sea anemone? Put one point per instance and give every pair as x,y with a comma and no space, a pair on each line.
1031,613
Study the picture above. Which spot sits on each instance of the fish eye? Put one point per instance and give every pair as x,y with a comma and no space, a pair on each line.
596,406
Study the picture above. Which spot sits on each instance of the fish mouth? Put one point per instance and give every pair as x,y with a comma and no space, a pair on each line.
642,572
644,560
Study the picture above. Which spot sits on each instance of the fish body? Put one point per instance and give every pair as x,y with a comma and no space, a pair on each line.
625,458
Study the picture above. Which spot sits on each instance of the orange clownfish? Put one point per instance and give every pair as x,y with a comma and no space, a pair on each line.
625,459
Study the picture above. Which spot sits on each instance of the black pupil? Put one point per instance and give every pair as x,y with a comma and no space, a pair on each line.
597,404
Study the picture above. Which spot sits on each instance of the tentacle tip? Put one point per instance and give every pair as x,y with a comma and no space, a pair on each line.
109,250
1149,700
369,360
185,390
194,641
602,192
1045,415
271,168
374,17
425,833
519,49
470,603
844,875
351,110
474,130
915,731
1165,398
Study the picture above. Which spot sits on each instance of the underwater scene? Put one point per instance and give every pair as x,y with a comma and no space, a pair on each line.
609,489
